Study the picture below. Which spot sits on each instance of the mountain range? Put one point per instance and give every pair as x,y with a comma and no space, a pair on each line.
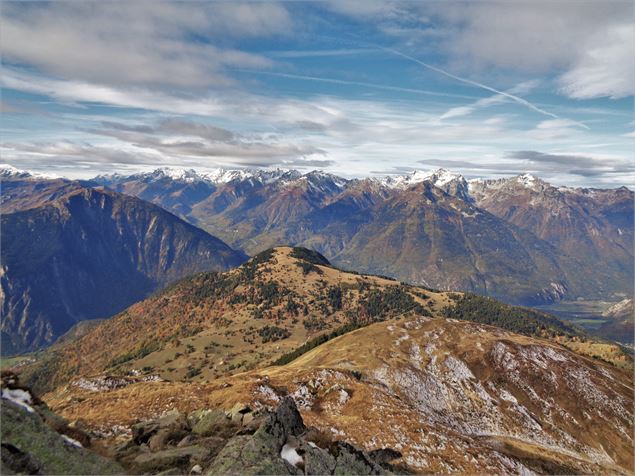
71,253
519,239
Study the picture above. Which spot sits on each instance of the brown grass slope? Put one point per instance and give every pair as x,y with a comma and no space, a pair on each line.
451,396
217,323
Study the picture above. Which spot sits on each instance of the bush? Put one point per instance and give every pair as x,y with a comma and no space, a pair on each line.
308,268
383,304
309,256
334,296
273,333
192,372
141,352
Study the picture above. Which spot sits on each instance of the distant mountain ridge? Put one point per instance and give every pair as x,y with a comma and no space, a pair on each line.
568,242
71,253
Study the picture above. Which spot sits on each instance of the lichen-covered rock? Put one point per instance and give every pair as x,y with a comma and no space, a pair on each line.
184,457
165,436
279,446
173,425
350,460
207,422
30,446
250,455
317,460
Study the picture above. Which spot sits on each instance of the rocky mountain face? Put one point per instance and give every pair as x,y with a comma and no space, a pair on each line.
421,233
71,253
593,228
444,231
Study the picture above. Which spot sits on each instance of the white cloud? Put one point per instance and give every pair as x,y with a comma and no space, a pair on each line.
554,129
136,43
606,67
589,43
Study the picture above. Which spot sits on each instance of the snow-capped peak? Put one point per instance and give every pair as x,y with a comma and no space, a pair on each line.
213,176
440,178
7,170
526,179
530,181
183,175
10,172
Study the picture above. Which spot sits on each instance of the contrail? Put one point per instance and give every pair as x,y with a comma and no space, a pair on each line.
357,83
519,100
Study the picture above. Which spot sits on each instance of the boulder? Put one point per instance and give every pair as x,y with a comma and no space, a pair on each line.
317,460
250,455
238,410
182,458
173,422
165,436
208,422
350,460
284,422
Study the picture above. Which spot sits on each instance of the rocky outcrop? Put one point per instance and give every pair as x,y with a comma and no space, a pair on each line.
242,441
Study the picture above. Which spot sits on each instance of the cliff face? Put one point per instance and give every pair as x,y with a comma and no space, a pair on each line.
89,254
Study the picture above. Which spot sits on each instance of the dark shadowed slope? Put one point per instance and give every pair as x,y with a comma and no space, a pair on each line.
88,254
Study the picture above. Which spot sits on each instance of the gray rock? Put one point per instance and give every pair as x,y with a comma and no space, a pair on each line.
350,460
170,472
169,458
238,409
317,460
285,422
247,418
16,461
165,436
237,418
187,441
250,455
173,421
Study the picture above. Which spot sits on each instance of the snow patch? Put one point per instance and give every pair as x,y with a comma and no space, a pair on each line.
290,455
267,392
20,397
72,441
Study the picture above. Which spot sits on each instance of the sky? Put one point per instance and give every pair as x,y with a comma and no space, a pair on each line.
357,88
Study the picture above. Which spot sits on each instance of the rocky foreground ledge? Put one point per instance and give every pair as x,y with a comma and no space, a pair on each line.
209,441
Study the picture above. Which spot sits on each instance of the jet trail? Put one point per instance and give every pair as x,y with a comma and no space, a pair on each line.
357,83
517,99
